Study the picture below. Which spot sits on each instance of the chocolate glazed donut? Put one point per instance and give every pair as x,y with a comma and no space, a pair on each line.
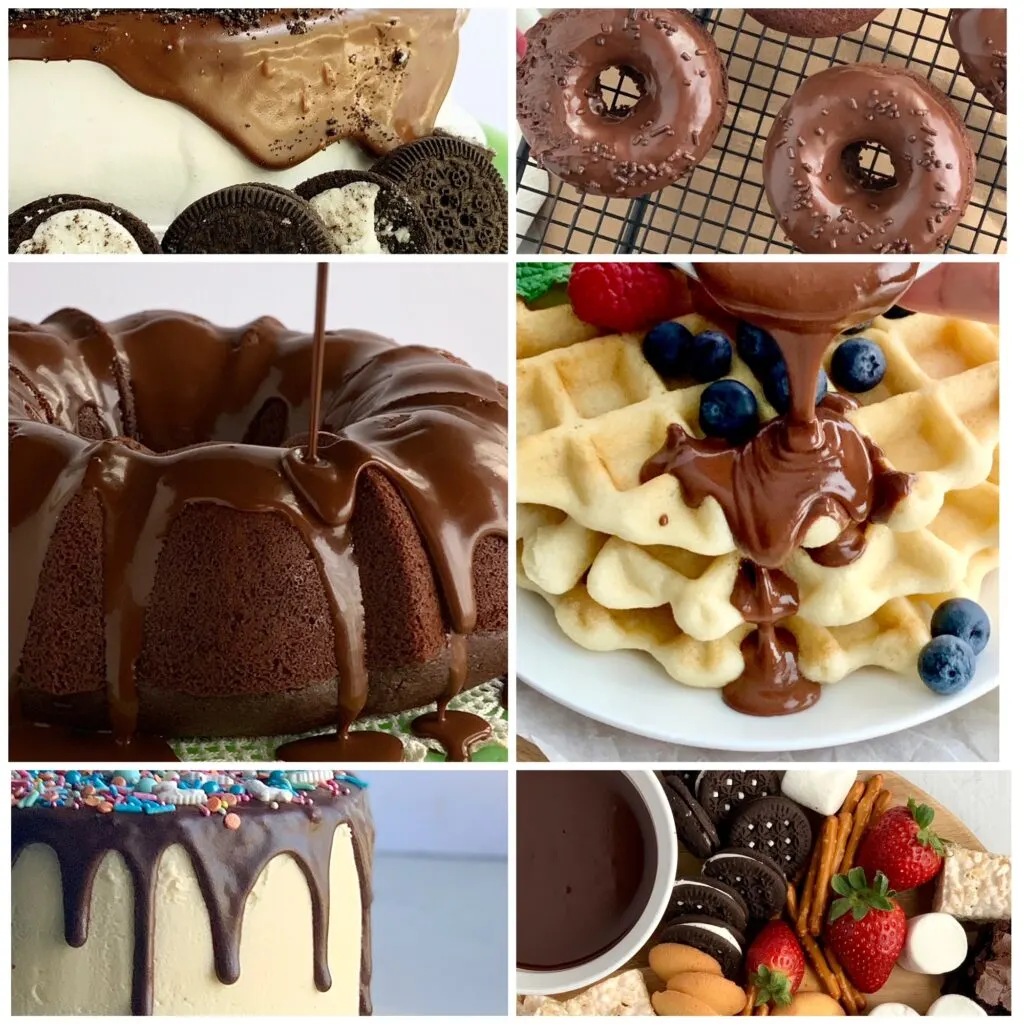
979,34
827,203
814,22
620,151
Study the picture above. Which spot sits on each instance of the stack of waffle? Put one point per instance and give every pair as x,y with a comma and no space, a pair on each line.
626,565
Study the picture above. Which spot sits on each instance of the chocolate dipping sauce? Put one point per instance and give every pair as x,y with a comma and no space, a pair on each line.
808,464
586,861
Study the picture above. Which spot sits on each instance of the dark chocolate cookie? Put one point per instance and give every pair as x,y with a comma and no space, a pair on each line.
687,776
68,223
716,938
365,212
757,878
253,218
707,897
776,827
458,190
723,793
693,826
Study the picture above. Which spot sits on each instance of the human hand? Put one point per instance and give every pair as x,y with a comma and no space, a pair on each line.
966,290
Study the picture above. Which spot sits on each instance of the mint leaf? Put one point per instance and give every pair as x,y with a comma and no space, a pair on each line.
536,279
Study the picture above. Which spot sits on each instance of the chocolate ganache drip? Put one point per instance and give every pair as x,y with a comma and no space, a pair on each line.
435,427
810,464
279,84
227,862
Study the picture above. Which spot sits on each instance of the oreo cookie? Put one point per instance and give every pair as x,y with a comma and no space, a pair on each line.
252,218
707,897
693,826
63,224
716,938
367,213
687,776
458,190
723,793
757,878
776,827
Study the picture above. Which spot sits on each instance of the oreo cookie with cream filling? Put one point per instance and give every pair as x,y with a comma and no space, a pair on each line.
723,793
757,878
252,218
706,897
70,224
687,776
693,826
457,189
777,827
709,935
367,213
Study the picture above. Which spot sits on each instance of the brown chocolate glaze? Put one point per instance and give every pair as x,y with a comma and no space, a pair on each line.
227,864
813,22
620,151
810,464
282,88
585,865
979,34
813,181
434,426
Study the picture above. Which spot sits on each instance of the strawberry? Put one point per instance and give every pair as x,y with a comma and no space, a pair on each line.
775,963
903,847
626,296
866,929
520,45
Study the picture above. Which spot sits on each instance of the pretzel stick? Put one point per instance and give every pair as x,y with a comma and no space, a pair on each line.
748,1006
861,817
791,902
853,797
845,827
762,1010
881,806
820,965
847,998
823,880
805,896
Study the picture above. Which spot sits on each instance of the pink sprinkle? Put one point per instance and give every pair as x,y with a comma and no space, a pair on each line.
232,821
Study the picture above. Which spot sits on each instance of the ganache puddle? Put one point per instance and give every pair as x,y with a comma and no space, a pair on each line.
808,464
321,476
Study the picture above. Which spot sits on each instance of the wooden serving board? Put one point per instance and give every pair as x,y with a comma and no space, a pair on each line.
916,990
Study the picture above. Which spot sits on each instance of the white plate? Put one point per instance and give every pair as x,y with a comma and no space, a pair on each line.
630,690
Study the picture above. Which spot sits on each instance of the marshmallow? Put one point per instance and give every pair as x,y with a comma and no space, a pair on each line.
955,1006
893,1010
821,791
936,944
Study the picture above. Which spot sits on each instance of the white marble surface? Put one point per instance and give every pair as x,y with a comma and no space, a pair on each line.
969,734
440,936
980,799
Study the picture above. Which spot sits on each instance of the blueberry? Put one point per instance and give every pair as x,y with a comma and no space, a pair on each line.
963,618
757,348
897,313
712,356
668,347
946,665
728,409
776,387
857,365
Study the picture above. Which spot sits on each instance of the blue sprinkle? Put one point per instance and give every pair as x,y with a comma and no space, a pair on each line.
351,780
146,785
128,807
153,808
211,787
238,790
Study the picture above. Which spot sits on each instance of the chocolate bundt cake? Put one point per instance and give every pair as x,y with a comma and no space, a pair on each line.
179,569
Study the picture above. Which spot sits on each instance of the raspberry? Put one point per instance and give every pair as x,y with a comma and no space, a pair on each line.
626,296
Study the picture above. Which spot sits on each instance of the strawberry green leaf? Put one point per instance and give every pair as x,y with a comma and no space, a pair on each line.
841,885
860,911
840,907
858,879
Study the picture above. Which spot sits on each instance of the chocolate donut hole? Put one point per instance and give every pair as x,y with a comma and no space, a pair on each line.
869,165
607,96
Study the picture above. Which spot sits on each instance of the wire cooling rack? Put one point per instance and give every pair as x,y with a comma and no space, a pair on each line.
722,207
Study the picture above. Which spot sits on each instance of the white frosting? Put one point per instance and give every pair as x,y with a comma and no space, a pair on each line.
718,930
893,1010
75,126
935,944
348,213
79,231
955,1006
